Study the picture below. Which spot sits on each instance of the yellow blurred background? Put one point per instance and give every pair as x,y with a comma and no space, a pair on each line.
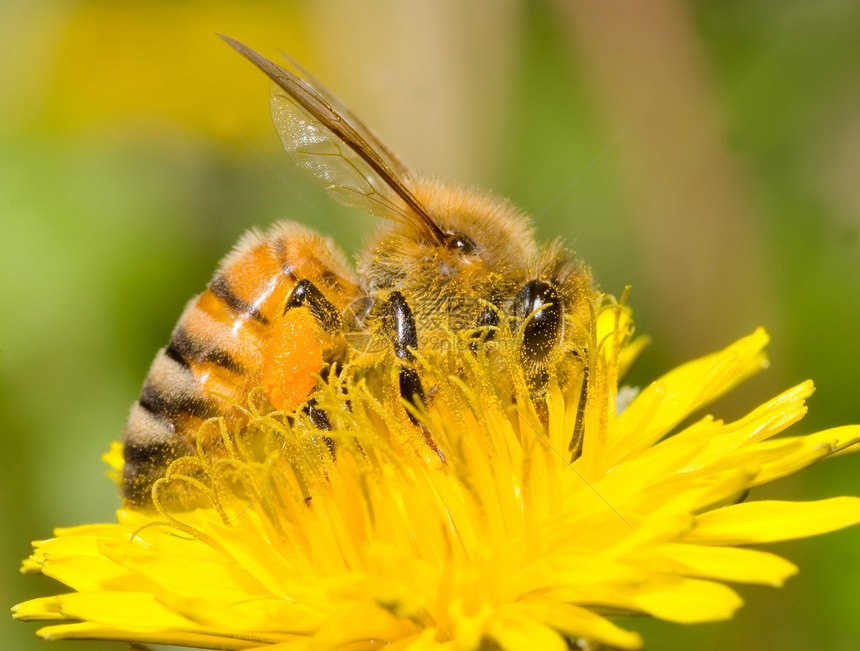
706,153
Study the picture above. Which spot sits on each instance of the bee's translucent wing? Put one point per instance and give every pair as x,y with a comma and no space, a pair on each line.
321,141
391,157
330,162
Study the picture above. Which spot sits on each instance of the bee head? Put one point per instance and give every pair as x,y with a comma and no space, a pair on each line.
485,240
487,254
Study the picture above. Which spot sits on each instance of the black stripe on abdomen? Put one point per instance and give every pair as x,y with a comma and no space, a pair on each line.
221,289
184,349
157,454
174,352
145,463
158,403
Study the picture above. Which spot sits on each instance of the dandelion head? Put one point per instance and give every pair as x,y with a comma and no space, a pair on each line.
503,515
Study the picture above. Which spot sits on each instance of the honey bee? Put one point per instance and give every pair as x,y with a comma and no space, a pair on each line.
283,304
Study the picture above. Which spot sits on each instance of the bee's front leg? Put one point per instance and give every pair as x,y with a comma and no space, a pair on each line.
406,340
486,326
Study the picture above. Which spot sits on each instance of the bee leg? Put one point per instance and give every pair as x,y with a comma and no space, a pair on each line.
406,337
411,389
319,419
485,326
306,294
575,446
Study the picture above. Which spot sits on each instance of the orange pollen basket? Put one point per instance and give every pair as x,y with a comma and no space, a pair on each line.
293,357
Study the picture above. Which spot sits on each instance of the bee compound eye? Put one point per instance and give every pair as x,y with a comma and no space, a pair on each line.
543,331
463,243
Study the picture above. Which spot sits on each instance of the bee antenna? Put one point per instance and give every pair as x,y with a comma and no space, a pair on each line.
575,447
576,440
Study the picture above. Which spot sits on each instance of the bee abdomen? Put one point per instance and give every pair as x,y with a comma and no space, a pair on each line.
144,464
185,349
220,288
216,352
170,406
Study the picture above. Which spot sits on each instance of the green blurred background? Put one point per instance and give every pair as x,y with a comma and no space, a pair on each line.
707,153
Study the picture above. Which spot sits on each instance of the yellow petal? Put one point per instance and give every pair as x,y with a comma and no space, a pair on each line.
696,383
724,563
760,424
75,558
426,641
687,601
614,319
43,609
577,622
90,631
630,353
127,610
683,390
848,449
766,521
514,632
504,544
267,615
579,567
182,574
85,573
362,621
628,436
114,459
780,457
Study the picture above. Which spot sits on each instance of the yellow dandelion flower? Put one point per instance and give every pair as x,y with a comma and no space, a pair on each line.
490,537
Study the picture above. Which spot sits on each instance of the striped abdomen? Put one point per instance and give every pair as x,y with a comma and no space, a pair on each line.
217,350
